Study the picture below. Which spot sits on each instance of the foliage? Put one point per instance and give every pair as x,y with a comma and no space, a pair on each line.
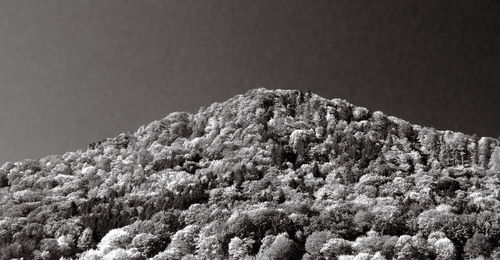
266,175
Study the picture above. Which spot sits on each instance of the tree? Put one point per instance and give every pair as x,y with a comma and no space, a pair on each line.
459,229
429,139
283,248
441,246
316,241
298,141
85,240
336,247
494,164
484,151
66,244
339,221
51,248
478,245
389,220
360,113
371,243
266,243
412,247
11,251
239,248
4,180
405,130
389,247
115,238
488,223
148,244
209,246
380,124
378,256
144,157
183,243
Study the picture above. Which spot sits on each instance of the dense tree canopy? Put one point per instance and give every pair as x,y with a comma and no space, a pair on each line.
265,175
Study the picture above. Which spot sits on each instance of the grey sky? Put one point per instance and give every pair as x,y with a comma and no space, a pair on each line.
73,72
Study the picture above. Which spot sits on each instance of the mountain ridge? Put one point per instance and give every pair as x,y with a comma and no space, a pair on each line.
342,109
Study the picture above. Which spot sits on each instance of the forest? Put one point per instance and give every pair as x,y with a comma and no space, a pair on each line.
269,174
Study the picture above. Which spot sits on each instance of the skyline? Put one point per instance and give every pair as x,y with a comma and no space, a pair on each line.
72,73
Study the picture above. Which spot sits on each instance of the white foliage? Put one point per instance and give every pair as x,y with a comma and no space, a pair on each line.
378,256
91,254
362,256
121,254
183,243
359,113
115,238
239,248
444,249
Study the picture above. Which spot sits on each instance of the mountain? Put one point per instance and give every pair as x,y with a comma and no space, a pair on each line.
270,174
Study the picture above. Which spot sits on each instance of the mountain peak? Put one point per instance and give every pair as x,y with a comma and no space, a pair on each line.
269,174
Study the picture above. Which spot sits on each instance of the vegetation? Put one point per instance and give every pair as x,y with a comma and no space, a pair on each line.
265,175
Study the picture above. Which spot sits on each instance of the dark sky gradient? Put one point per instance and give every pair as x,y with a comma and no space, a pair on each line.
73,72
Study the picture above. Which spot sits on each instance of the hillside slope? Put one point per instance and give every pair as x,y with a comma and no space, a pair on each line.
270,174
